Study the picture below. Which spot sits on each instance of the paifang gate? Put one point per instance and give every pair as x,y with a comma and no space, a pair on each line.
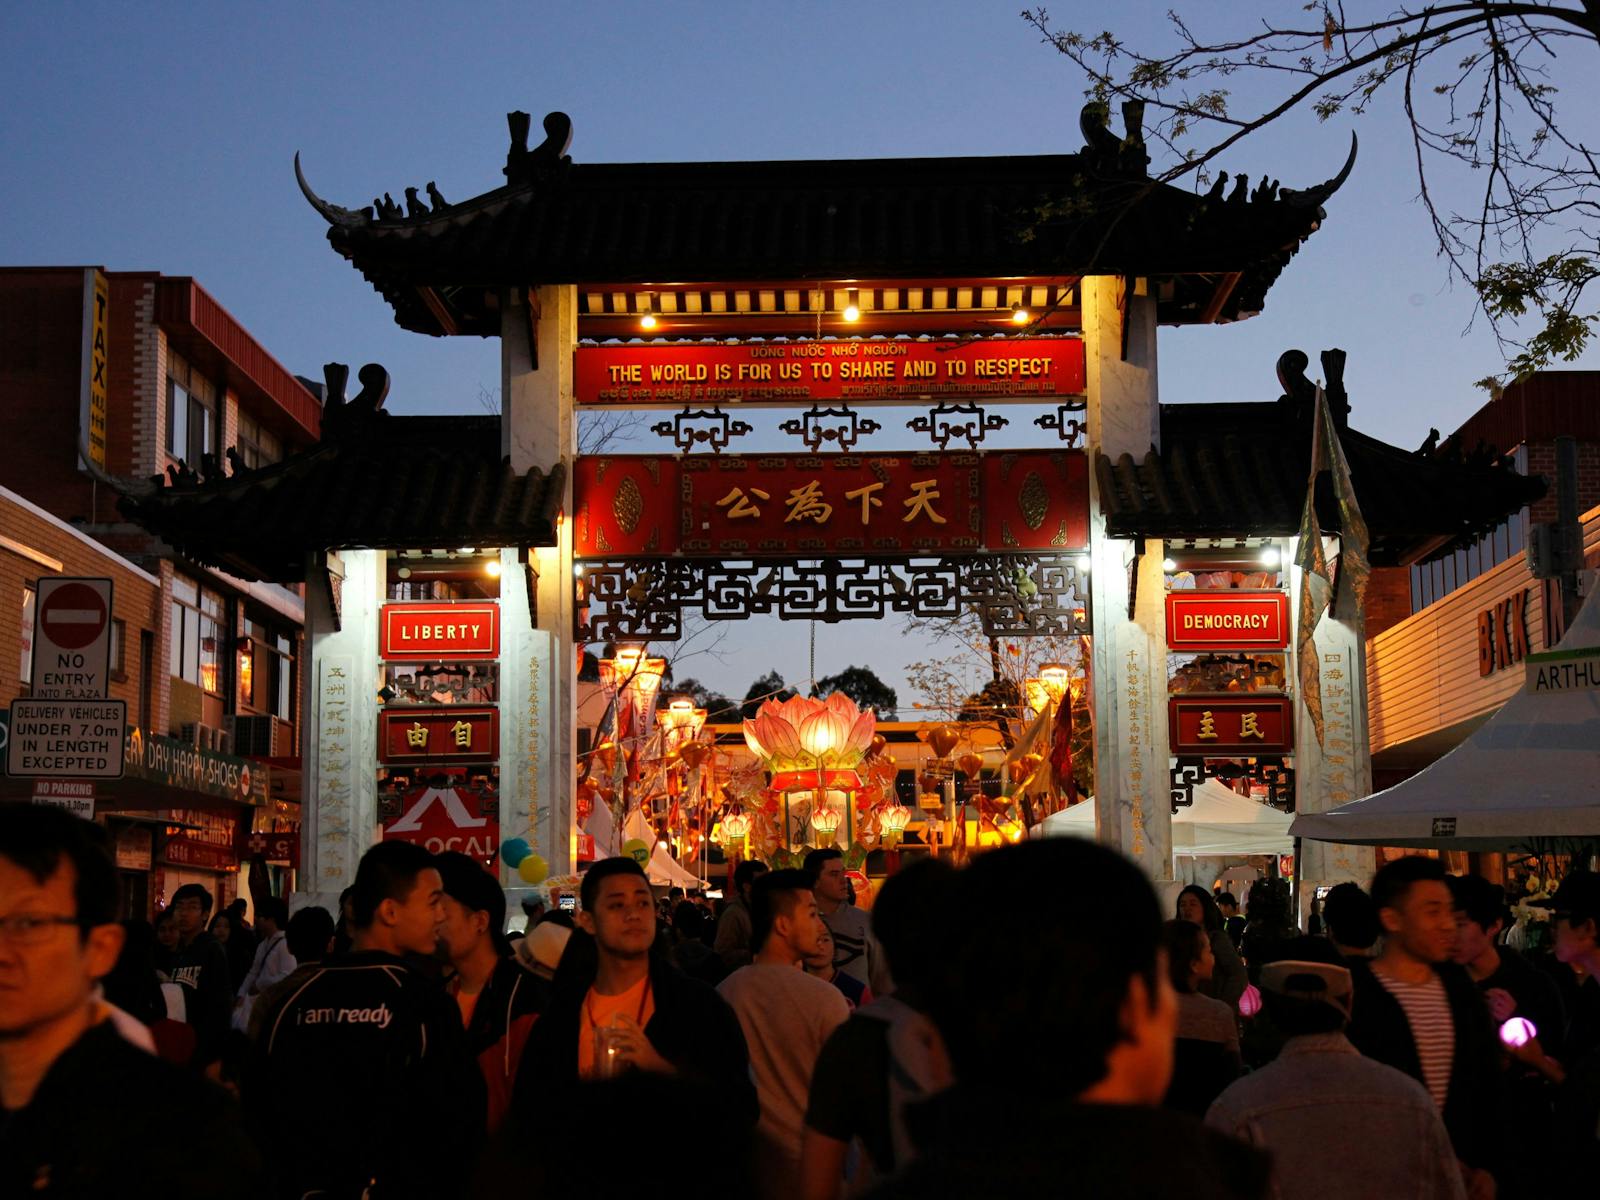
831,537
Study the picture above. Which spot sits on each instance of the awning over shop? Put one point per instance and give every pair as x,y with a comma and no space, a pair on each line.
1220,823
1529,772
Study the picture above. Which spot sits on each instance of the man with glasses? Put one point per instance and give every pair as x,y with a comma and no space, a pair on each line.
82,1111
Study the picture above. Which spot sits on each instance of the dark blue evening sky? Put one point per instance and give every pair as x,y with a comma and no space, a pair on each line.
160,137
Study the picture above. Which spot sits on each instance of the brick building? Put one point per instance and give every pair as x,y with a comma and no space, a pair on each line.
106,380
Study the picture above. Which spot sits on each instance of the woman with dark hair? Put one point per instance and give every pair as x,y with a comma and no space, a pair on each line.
1269,929
1227,981
1206,1053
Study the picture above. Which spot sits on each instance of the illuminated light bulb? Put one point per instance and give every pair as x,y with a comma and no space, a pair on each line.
1168,565
492,568
1020,315
852,309
1085,562
1270,557
648,321
577,571
647,311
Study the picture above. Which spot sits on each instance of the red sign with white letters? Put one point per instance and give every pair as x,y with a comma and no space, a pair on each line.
1231,725
430,632
805,372
1227,620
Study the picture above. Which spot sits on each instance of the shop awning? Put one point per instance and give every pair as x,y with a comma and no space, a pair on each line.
1531,771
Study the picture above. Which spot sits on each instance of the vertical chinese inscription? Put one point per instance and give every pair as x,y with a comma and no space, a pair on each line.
1134,728
335,782
1340,754
532,765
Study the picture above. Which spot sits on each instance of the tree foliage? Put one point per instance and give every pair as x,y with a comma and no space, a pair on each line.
1473,80
767,687
718,707
863,686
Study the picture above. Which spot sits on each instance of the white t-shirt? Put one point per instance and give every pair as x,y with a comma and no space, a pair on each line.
1433,1028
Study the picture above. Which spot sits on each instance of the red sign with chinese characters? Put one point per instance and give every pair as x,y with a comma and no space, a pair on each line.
808,372
1227,620
430,632
1227,726
438,734
800,504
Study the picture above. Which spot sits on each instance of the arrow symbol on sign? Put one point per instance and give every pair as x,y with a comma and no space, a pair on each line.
411,820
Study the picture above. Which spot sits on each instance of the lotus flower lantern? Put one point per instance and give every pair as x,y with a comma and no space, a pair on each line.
813,746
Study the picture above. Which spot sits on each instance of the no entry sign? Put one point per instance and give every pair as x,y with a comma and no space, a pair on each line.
72,639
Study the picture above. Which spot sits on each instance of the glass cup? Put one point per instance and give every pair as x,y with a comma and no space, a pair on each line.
606,1044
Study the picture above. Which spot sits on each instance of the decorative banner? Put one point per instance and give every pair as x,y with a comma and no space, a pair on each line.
810,372
1227,621
448,818
1222,726
430,632
851,504
431,735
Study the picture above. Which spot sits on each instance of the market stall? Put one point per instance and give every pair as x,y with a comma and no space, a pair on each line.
1219,824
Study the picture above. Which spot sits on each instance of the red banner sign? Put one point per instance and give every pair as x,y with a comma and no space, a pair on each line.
800,504
430,632
431,735
1230,725
808,372
448,818
1227,621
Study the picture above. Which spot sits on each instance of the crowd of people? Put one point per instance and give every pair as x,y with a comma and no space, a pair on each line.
1030,1024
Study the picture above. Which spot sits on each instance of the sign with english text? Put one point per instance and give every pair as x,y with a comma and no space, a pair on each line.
66,739
1231,725
431,632
1201,621
448,818
72,639
807,372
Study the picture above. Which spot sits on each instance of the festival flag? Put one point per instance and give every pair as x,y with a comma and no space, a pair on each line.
1061,752
1316,580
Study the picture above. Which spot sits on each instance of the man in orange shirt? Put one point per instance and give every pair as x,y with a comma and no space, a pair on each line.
614,996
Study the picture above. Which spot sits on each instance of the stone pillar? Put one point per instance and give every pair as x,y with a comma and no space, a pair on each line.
339,726
1339,768
1133,806
538,670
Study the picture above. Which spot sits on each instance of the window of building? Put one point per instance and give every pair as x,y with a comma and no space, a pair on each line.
28,596
257,445
197,634
282,682
266,670
119,634
192,425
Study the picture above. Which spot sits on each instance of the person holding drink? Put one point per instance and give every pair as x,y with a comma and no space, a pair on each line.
617,1007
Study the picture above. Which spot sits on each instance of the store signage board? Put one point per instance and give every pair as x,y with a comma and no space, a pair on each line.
271,847
809,372
849,504
72,639
168,762
438,735
209,842
66,739
1229,726
1564,671
1202,621
436,632
449,818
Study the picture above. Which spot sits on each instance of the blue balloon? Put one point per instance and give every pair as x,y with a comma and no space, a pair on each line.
514,850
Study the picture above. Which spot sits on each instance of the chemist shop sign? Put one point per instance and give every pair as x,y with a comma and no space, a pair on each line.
434,632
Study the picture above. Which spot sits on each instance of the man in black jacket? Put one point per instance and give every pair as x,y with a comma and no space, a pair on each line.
1419,1012
1054,989
649,1016
200,967
362,1074
83,1113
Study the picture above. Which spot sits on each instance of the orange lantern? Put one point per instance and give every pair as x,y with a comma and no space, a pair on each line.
970,763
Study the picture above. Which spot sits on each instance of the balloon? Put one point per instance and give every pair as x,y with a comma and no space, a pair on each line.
533,869
514,850
970,763
637,849
943,740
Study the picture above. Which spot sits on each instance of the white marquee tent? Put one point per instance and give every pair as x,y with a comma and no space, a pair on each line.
1531,771
1220,823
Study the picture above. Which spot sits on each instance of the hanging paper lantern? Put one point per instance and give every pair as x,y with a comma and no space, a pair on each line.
970,764
514,850
533,869
803,733
943,740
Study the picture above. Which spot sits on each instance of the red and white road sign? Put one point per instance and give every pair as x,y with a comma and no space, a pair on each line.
449,818
72,639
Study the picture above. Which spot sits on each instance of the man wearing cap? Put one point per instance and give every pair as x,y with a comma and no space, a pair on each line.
499,1001
1336,1124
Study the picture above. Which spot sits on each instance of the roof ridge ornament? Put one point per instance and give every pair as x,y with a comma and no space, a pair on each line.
523,165
1314,197
339,416
331,213
1125,155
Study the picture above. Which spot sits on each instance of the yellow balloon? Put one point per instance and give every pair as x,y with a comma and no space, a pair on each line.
533,869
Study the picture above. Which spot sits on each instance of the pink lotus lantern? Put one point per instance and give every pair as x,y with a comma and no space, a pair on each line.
813,747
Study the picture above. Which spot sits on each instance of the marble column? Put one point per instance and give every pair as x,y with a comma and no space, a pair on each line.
1133,809
538,669
339,725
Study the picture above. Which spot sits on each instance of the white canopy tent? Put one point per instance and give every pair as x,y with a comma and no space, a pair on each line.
1531,771
1220,823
